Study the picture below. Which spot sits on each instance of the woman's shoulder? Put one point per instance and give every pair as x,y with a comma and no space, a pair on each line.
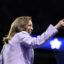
23,33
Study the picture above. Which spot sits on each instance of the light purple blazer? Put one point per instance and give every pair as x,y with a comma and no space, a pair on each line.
19,49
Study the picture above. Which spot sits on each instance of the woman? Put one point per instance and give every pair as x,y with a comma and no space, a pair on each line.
19,45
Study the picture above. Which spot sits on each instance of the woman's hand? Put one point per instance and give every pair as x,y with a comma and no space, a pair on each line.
60,24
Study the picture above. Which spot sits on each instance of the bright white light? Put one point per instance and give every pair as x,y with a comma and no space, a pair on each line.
55,44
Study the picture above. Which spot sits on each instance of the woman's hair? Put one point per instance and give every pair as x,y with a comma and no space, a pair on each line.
18,25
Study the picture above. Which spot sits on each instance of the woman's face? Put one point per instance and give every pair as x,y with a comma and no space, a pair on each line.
30,27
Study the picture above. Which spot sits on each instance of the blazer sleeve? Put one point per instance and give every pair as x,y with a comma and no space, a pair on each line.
1,58
25,39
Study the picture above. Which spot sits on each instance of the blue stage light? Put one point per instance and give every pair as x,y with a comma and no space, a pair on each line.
55,43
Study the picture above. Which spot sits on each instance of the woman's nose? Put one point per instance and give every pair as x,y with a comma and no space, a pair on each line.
32,28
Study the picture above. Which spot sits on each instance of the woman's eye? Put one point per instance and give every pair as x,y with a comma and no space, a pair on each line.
29,25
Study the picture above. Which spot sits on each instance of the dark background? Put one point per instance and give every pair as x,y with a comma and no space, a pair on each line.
43,12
